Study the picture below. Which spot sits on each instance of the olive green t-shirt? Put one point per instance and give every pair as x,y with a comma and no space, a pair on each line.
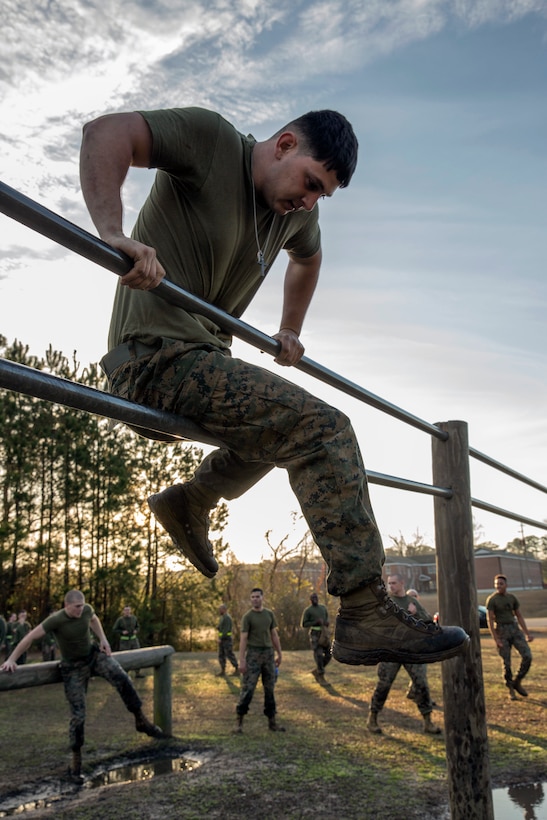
314,613
126,623
225,625
503,607
258,626
199,218
72,634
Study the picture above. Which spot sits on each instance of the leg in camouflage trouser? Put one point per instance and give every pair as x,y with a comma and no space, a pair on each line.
260,663
321,654
266,421
387,672
418,675
226,653
512,636
76,677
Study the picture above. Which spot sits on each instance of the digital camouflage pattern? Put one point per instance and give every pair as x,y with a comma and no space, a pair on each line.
387,672
76,675
260,662
511,635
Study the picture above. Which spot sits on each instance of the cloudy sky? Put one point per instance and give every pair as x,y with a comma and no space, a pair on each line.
433,292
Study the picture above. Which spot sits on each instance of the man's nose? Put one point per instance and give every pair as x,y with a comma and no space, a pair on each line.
309,200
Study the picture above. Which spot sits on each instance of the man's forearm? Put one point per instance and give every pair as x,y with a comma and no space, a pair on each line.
300,282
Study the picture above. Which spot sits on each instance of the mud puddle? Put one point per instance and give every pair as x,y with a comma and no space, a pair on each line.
48,792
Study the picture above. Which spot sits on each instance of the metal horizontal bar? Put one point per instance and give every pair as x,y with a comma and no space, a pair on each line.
483,505
407,484
40,219
52,388
497,465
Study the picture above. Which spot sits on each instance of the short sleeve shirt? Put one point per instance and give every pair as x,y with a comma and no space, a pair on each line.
258,626
199,216
225,624
71,634
503,607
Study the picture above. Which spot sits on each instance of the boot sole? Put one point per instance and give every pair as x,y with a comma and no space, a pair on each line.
161,509
371,657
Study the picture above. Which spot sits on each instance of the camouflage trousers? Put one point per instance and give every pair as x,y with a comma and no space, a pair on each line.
76,675
265,421
512,636
260,663
387,672
226,653
321,654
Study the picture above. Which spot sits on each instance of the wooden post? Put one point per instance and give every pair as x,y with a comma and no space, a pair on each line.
467,754
163,715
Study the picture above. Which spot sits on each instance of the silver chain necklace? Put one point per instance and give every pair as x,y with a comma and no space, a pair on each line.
261,255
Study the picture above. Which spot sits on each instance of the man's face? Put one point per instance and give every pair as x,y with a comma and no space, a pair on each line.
396,587
500,585
75,608
294,181
256,600
314,599
127,611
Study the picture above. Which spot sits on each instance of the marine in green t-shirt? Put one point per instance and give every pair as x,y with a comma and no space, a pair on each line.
221,207
508,629
80,660
257,659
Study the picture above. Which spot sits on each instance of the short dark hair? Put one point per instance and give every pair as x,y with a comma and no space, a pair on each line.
330,139
504,577
257,589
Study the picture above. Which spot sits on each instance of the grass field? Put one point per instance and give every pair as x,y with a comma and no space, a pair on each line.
326,765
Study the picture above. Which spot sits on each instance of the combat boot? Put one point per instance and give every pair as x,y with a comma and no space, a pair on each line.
429,726
142,724
512,695
518,687
239,725
274,725
182,514
372,723
371,628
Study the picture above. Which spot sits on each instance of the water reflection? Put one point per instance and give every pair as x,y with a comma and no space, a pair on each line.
520,802
46,794
140,771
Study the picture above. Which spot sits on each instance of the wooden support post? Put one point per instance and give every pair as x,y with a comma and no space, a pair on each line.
467,755
163,715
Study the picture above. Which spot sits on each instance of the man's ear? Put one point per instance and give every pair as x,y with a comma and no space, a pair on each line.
287,141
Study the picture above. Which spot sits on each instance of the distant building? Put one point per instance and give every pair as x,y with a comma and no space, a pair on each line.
420,571
522,572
